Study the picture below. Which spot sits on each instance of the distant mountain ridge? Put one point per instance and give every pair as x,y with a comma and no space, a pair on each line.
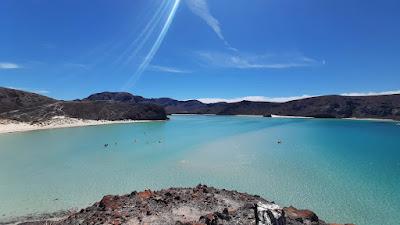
331,106
29,107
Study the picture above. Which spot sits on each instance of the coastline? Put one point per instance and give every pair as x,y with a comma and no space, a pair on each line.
372,119
292,117
350,118
12,126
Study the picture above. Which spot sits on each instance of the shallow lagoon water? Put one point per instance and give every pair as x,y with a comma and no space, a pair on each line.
345,171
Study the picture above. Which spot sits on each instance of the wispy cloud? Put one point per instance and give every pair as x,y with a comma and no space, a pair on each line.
166,69
31,90
201,9
371,93
9,66
254,61
253,99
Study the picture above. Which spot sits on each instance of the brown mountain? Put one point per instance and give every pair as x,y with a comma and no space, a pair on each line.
332,106
29,107
11,99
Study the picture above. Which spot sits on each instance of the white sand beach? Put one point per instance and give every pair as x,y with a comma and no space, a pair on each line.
371,119
12,126
351,118
297,117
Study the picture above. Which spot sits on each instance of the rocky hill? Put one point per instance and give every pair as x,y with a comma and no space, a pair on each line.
201,205
29,107
11,99
334,106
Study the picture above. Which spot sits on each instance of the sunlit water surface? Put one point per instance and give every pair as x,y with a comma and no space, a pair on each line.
345,171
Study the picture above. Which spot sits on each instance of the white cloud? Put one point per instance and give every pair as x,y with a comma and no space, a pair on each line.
253,61
8,66
166,69
371,93
253,99
201,9
290,98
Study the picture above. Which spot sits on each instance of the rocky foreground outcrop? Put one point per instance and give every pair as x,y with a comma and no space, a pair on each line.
201,205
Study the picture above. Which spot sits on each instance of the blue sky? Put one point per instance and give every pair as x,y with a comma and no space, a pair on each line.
201,49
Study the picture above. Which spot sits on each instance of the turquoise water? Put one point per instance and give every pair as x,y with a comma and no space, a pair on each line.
345,171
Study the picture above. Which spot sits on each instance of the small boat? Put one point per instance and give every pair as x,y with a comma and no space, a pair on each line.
279,142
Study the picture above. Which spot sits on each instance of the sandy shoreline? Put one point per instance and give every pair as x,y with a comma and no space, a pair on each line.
293,117
372,119
12,126
351,118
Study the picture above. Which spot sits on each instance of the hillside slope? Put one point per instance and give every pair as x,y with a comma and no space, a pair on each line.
11,99
29,107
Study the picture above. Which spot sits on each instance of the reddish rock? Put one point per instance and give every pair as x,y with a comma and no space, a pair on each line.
109,202
145,194
116,222
302,215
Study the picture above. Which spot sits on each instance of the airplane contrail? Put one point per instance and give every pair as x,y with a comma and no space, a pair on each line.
144,35
142,67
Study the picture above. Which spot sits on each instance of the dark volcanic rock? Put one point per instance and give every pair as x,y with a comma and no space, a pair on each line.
303,216
188,206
